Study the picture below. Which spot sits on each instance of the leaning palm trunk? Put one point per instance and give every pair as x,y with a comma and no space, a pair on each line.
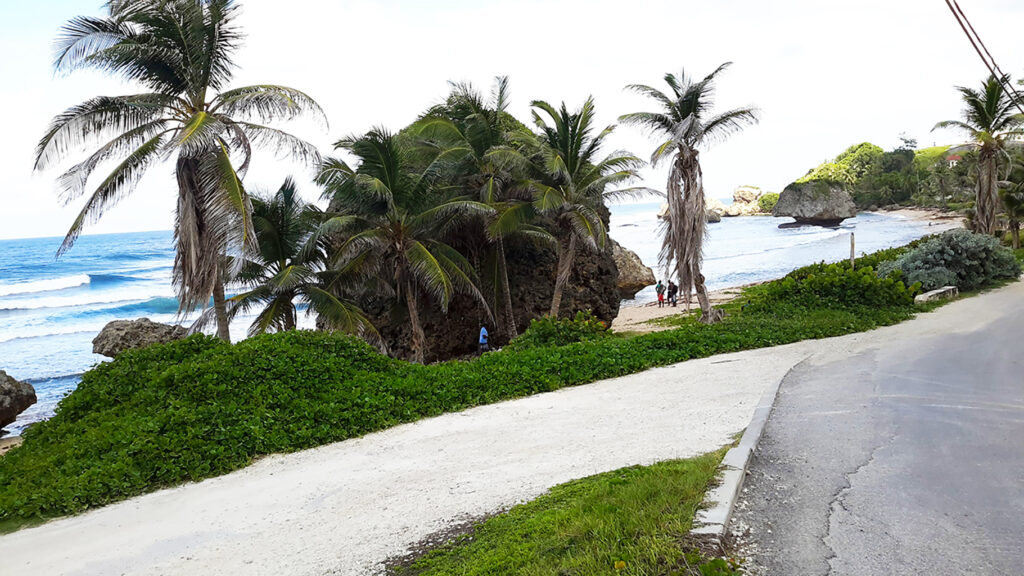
566,254
682,250
985,210
510,315
418,337
221,310
197,267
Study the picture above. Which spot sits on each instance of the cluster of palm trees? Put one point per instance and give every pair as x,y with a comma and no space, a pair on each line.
993,121
414,218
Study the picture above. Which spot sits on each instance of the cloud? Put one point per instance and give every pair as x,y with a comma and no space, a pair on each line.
824,74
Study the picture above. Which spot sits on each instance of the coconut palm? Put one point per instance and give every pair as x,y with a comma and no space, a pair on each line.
287,268
989,120
181,52
684,125
1011,195
573,181
399,218
475,135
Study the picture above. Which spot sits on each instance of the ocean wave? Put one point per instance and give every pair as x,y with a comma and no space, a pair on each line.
48,285
809,239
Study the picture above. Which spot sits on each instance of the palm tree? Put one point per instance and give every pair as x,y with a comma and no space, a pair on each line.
181,52
288,267
684,125
573,183
989,119
399,218
475,135
1011,193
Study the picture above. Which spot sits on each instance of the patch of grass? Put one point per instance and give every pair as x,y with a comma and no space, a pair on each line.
631,521
1019,253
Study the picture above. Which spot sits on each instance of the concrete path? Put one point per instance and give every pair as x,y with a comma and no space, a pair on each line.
905,458
345,508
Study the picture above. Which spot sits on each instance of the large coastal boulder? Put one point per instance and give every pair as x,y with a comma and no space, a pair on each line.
746,195
634,276
817,203
715,205
593,285
15,397
121,335
715,209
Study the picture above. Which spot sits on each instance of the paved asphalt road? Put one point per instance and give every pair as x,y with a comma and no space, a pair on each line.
905,459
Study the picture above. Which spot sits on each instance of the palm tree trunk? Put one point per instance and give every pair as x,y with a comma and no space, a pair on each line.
565,258
510,315
418,338
985,208
220,309
1015,230
708,313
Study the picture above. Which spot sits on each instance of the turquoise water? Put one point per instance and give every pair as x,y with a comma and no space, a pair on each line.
51,309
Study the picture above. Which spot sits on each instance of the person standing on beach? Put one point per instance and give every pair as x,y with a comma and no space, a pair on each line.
660,289
672,291
484,347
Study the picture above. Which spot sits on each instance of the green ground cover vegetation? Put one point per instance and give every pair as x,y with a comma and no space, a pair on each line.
633,521
201,407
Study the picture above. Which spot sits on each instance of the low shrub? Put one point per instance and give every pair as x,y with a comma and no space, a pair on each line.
837,285
548,331
767,202
959,258
200,407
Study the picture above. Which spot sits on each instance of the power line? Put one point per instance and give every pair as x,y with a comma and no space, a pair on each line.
990,62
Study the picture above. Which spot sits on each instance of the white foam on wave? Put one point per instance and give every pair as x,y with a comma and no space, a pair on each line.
49,285
99,299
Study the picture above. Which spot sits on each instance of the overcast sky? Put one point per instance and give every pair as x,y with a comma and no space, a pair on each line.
824,74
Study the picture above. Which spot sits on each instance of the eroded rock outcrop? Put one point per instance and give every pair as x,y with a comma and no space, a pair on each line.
714,206
817,203
634,276
15,398
121,335
744,202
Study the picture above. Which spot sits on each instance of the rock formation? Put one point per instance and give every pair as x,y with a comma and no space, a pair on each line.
744,202
15,397
746,195
634,276
593,285
817,203
121,335
715,209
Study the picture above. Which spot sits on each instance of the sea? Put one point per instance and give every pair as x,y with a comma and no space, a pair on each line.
51,309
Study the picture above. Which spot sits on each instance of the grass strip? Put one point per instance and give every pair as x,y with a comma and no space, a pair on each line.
633,521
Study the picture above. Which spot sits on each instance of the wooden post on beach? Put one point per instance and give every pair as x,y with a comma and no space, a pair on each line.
853,252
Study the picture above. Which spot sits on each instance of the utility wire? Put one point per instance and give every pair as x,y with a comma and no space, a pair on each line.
990,62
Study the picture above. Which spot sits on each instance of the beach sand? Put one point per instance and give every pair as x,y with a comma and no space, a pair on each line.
8,444
637,318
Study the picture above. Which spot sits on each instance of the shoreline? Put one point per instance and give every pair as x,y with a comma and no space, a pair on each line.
638,318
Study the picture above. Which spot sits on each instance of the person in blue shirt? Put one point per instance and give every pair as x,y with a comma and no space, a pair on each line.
483,340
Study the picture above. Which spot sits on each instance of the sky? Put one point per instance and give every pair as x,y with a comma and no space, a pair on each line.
824,75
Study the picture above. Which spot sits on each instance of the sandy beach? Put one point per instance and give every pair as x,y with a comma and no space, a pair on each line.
637,318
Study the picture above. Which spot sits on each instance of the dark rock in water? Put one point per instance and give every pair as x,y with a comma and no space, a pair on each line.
816,203
714,217
121,335
15,397
634,276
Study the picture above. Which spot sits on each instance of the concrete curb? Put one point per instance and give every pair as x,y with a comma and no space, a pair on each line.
716,510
